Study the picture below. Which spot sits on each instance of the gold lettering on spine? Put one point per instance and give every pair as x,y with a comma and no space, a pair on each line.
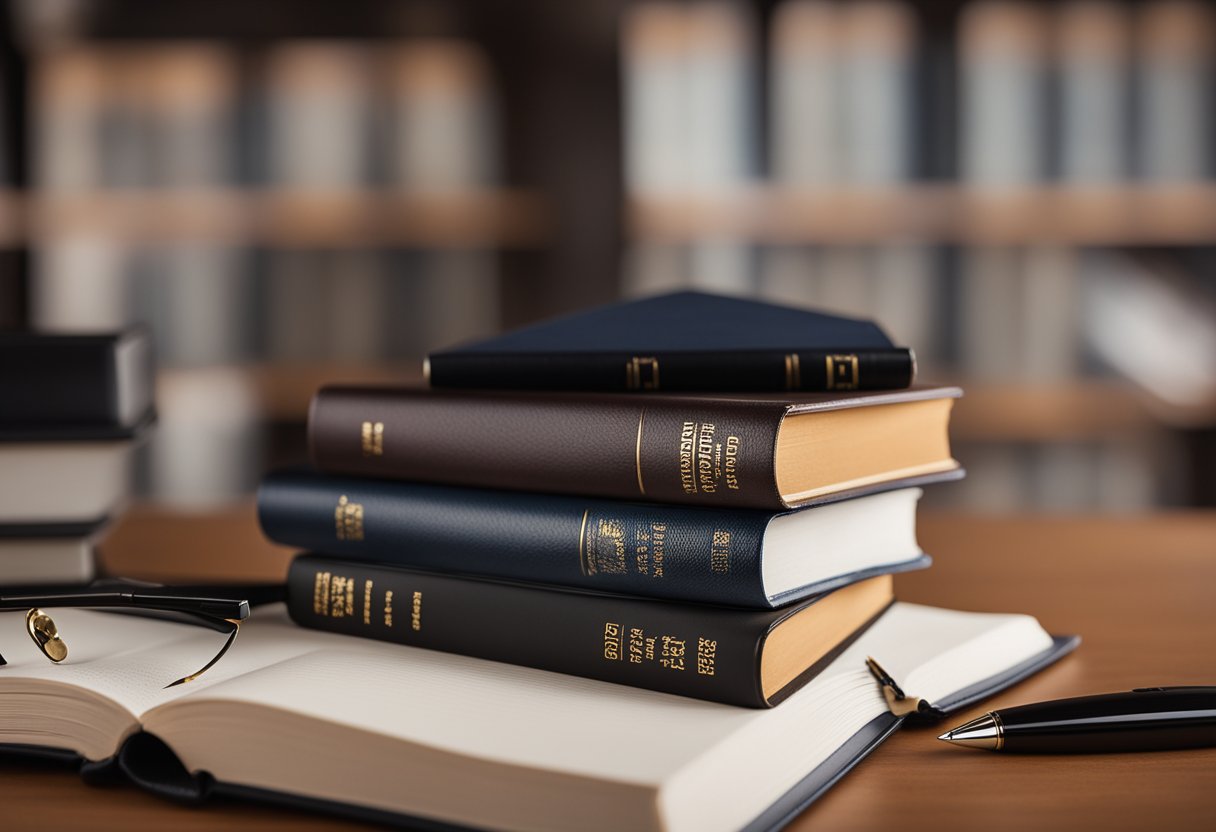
793,372
341,601
719,551
416,612
320,593
637,451
348,519
612,642
388,608
707,656
842,372
688,444
708,458
633,373
367,602
371,437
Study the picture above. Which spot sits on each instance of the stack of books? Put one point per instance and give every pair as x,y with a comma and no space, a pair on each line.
733,546
72,410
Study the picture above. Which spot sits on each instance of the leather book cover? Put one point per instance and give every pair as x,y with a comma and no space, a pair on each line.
705,652
713,451
680,553
686,341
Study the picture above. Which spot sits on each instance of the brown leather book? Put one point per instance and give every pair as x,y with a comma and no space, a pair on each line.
740,450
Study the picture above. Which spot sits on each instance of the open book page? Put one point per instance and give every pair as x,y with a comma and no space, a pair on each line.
444,709
118,663
933,652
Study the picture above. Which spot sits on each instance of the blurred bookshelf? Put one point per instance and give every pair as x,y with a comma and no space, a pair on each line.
1073,215
297,192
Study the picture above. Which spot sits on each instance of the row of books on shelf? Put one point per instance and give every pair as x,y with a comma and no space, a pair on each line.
676,593
325,116
418,115
858,96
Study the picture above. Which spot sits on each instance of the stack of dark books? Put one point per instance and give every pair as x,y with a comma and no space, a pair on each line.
697,495
72,410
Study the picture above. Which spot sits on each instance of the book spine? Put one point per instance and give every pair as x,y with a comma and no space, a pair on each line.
671,552
43,384
809,371
715,453
681,649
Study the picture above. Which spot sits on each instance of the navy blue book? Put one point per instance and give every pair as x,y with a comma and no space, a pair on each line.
682,342
734,557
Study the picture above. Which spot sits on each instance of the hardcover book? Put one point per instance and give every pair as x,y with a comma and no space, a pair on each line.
393,734
736,557
37,554
74,386
686,341
63,482
740,657
726,451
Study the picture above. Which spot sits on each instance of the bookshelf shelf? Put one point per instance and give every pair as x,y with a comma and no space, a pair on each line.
1124,215
284,219
1058,412
282,391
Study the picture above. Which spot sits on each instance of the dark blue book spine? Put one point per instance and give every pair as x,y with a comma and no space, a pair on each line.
675,552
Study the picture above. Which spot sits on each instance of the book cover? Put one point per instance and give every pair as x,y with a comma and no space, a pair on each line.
750,658
727,451
685,341
734,557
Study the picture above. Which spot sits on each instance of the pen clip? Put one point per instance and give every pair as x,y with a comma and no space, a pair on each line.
898,702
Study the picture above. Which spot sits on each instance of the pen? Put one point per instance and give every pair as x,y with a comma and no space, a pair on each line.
1145,719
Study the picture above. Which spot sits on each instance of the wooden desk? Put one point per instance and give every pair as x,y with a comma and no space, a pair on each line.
1141,591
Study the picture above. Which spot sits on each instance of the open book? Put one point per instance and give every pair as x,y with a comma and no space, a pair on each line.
377,730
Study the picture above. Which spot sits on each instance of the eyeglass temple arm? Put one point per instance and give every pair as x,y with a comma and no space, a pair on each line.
216,613
210,607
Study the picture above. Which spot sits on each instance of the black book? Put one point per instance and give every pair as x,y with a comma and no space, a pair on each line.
682,342
95,386
752,658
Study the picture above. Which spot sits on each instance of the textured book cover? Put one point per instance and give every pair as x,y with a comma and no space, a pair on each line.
687,341
727,451
735,557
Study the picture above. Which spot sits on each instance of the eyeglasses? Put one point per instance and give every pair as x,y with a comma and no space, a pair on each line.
223,615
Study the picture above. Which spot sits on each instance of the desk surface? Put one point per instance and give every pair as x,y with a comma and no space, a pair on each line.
1141,591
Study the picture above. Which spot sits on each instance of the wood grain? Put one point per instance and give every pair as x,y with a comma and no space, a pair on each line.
1140,590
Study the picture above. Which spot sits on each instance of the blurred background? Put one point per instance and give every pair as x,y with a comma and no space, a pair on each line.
290,193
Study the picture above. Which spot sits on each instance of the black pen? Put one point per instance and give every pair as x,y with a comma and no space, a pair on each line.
1145,719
